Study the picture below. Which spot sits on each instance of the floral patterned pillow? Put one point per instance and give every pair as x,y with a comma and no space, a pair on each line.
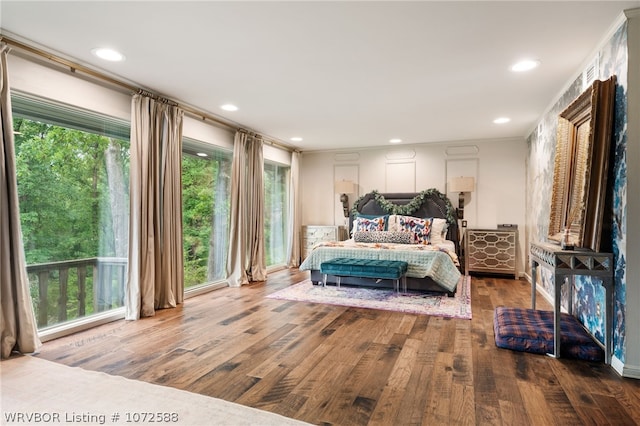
421,228
361,224
388,237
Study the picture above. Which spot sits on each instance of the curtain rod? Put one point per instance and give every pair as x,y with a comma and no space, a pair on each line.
73,67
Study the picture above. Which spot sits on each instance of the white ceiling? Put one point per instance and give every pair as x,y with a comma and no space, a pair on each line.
338,74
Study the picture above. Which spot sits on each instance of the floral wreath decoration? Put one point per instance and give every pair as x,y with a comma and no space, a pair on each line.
411,207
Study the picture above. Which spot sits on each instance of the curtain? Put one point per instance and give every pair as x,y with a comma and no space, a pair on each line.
18,322
246,261
155,276
293,245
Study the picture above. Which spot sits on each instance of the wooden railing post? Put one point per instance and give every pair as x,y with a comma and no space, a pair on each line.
43,288
63,298
96,287
82,290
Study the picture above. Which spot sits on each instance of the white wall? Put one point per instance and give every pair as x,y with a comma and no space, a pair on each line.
500,180
632,324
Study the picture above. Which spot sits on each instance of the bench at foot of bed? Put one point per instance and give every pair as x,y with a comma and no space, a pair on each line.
366,268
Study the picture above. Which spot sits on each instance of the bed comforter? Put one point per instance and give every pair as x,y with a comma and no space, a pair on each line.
439,262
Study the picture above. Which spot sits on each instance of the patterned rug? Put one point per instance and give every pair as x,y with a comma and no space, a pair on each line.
385,299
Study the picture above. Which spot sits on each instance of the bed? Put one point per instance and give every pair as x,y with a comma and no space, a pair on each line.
433,257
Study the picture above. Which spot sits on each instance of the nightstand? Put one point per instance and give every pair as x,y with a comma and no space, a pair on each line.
312,234
491,251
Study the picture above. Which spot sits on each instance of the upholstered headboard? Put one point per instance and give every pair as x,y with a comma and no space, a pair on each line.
428,203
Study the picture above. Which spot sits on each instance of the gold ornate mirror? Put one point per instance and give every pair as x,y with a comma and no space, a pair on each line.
581,167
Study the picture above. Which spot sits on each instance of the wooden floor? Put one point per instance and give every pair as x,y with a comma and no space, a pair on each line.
344,366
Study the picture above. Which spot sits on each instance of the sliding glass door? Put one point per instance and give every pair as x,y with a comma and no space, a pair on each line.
206,183
73,185
276,197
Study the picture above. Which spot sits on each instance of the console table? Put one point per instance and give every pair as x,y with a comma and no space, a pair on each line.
565,264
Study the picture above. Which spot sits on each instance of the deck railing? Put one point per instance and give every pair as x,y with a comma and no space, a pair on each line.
101,279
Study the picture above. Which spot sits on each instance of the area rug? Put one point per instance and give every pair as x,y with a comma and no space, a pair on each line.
35,391
458,306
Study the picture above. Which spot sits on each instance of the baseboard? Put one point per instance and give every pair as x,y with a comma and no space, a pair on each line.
542,292
625,370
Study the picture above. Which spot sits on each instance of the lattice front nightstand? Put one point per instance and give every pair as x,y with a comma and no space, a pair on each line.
491,251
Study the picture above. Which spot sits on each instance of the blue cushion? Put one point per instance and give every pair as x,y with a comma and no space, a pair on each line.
366,268
531,330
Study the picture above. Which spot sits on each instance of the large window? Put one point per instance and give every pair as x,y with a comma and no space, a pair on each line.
276,196
73,185
206,183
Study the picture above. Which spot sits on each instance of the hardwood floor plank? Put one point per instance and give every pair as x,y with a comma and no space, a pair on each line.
392,394
335,365
462,410
535,404
438,402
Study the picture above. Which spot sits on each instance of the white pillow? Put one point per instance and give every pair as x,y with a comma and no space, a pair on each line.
439,228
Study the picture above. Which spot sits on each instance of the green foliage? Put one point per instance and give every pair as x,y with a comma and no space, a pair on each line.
62,186
197,211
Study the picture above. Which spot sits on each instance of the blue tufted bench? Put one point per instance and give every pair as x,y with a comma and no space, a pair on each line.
366,268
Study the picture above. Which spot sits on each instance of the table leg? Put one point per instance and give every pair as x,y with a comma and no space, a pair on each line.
534,270
558,281
571,281
608,324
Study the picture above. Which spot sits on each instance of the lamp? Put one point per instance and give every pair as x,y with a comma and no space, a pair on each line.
461,185
344,187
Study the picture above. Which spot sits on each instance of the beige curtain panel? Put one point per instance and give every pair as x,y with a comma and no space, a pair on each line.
246,261
155,277
18,323
293,247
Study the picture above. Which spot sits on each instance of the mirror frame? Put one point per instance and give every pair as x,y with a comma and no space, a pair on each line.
581,166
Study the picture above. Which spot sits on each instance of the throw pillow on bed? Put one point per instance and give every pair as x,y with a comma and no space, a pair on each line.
439,228
388,237
373,224
421,228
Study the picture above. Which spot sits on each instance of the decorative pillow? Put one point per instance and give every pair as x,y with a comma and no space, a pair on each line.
389,237
421,228
369,224
439,228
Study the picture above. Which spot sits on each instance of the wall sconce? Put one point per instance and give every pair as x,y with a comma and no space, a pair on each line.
461,185
344,187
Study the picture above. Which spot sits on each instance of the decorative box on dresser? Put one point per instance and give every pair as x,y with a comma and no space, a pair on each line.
491,251
312,234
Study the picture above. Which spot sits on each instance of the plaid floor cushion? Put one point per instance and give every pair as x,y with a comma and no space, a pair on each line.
530,330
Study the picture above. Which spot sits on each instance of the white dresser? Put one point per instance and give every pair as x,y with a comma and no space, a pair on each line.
312,234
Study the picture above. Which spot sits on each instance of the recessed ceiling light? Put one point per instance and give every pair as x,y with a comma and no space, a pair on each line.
108,54
229,107
525,65
202,154
502,120
296,139
395,140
